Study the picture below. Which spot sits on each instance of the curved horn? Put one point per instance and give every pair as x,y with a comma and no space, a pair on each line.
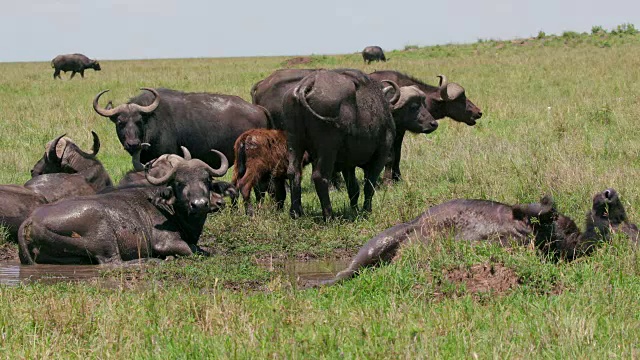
149,108
52,155
161,180
186,153
224,165
442,87
396,88
101,111
96,143
135,158
301,94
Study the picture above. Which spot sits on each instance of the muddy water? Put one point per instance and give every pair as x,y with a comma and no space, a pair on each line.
309,272
12,273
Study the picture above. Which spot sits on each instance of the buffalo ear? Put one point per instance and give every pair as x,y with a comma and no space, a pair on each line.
165,197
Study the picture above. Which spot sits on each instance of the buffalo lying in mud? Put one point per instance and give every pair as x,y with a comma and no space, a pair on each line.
477,220
63,156
76,63
125,224
163,165
168,119
64,171
343,120
373,53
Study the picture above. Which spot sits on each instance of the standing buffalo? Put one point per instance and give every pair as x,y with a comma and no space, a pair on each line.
373,53
341,117
76,63
445,100
125,224
168,119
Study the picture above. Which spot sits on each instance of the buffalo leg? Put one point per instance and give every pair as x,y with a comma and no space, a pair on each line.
353,189
82,73
371,174
322,171
280,192
392,169
294,173
56,74
171,246
73,73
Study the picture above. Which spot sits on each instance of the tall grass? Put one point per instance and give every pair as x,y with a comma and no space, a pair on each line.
560,118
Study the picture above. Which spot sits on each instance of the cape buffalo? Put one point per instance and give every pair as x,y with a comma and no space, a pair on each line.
52,181
606,217
445,100
124,224
373,53
168,119
341,117
162,166
62,155
476,220
76,63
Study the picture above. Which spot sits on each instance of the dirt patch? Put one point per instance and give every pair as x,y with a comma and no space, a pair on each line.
299,60
483,278
8,252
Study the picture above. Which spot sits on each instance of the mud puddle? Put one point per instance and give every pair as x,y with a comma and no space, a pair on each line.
304,272
307,272
12,273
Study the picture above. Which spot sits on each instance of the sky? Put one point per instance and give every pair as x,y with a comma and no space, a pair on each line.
38,30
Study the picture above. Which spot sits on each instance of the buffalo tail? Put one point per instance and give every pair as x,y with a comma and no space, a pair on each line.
23,249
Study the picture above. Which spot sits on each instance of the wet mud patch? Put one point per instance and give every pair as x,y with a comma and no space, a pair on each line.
479,279
8,252
299,60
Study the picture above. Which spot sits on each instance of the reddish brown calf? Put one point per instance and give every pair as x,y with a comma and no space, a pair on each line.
261,158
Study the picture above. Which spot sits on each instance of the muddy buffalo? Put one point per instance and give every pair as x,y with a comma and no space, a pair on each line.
62,155
76,63
342,118
124,224
476,220
168,119
65,171
373,53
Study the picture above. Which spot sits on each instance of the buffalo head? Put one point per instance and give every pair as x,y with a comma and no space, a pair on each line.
189,183
95,65
62,155
607,205
130,120
455,104
410,110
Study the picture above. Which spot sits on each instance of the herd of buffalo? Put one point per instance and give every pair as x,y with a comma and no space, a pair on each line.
70,212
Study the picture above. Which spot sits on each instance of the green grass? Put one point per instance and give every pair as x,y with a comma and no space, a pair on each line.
560,118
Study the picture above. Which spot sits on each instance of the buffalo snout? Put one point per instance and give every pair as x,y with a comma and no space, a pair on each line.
199,205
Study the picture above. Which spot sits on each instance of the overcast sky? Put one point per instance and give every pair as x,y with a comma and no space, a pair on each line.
33,30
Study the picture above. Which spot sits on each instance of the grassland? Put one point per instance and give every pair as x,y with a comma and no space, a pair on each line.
560,118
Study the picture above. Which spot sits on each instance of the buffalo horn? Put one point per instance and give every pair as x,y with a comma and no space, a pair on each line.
149,108
224,165
186,153
103,111
161,180
396,88
52,155
96,143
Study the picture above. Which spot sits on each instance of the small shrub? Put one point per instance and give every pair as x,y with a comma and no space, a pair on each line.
541,35
625,29
410,47
597,30
570,35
